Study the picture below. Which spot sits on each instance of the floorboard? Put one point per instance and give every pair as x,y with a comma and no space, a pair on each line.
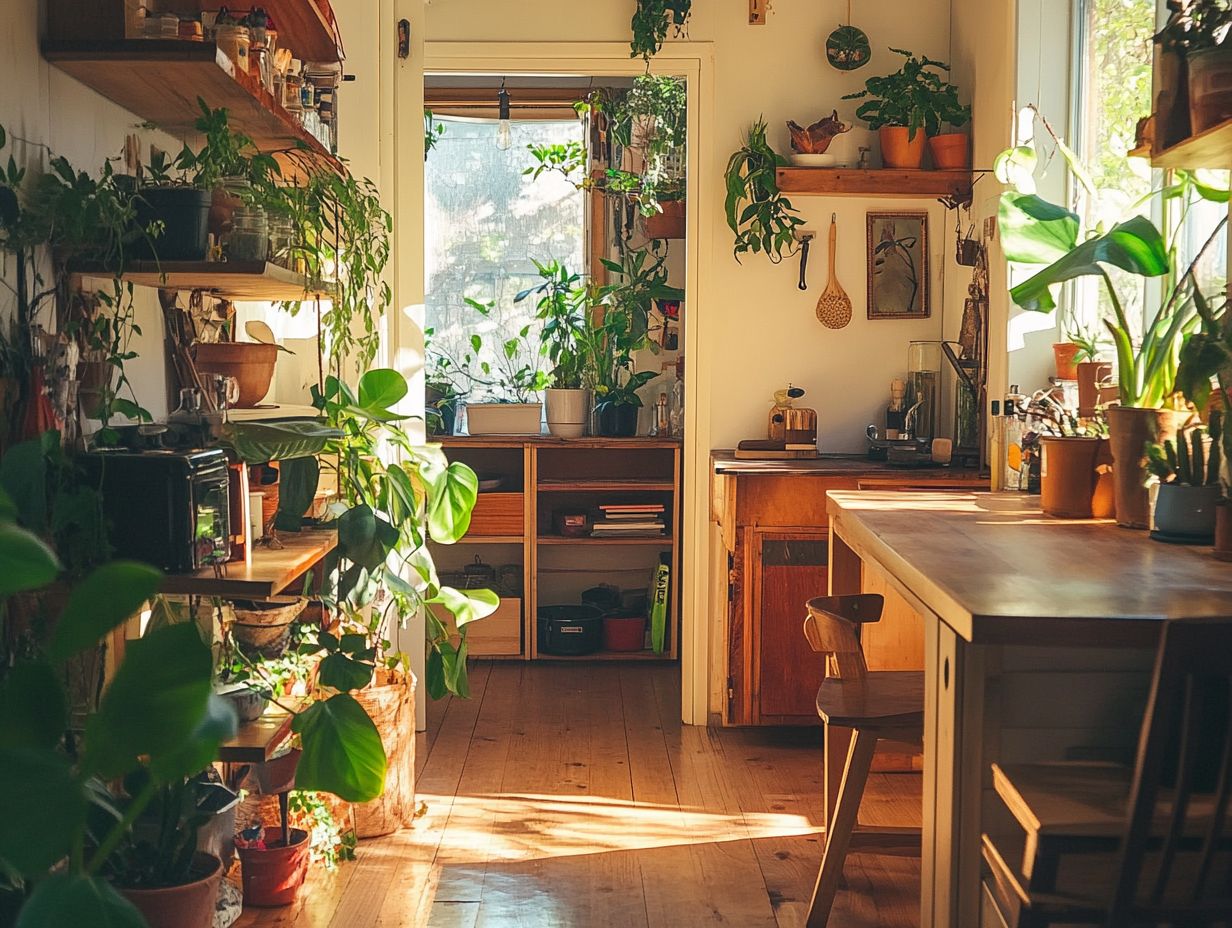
570,796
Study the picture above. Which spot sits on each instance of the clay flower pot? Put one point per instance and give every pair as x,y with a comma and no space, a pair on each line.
187,906
1129,429
951,151
273,874
1064,354
898,151
1091,394
1072,478
250,363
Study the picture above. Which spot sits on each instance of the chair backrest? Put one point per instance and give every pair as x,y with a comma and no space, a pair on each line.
830,628
1177,823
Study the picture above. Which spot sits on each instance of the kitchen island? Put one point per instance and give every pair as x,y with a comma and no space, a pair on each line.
1039,637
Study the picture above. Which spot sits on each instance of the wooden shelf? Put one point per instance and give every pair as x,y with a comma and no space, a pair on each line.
886,182
487,540
550,441
161,79
662,541
305,29
609,656
256,741
271,572
579,486
234,280
1209,149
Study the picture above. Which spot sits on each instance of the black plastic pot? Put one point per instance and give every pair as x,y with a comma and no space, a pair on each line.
443,405
616,421
184,213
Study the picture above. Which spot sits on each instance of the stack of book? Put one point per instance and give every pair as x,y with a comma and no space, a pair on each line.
629,520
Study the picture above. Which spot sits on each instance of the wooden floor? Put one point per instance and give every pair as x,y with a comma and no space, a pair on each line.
570,795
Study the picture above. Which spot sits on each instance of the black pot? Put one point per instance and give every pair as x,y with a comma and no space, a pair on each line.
445,408
184,213
616,421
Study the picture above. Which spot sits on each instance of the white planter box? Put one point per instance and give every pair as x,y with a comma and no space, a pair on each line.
504,418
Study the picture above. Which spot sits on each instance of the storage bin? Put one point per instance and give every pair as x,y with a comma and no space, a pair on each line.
498,635
498,514
569,631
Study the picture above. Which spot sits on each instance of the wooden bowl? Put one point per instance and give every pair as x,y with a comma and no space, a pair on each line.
250,363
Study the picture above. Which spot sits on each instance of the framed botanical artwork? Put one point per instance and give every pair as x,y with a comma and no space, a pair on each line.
898,266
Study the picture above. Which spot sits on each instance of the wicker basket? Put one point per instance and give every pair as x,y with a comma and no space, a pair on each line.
264,629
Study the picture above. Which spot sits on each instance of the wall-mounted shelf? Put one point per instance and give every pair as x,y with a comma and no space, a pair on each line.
233,280
662,541
256,741
589,486
272,569
884,182
1209,149
161,79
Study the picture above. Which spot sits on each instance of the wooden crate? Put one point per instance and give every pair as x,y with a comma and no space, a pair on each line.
498,514
499,635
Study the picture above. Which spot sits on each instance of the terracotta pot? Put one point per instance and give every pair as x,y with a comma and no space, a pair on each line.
1187,512
1063,354
1070,476
1091,374
188,906
951,151
1210,87
897,151
1171,95
1129,429
250,363
1223,530
670,223
274,874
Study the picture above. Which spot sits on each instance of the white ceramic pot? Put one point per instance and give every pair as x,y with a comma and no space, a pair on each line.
568,412
504,418
1186,512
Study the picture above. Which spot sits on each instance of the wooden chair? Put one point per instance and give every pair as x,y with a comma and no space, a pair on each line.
1114,846
875,705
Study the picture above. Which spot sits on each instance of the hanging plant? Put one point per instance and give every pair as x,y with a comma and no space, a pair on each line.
651,21
762,219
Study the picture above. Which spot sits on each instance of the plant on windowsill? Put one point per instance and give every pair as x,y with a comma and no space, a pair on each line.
445,385
1188,478
762,219
1194,50
651,22
511,375
916,99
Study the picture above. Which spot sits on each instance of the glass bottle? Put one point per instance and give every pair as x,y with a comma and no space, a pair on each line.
923,374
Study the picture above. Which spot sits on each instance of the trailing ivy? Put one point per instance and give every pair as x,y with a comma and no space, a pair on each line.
651,21
763,220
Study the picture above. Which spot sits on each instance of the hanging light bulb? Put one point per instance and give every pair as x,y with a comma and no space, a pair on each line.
504,133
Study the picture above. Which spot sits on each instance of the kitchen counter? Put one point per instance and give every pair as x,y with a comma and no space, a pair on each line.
724,461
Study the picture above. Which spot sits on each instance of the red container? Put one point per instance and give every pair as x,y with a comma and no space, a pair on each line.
187,906
624,633
273,875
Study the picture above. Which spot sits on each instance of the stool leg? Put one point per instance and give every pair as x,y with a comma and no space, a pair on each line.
838,830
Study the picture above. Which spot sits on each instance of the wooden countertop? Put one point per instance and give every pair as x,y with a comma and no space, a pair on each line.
997,570
724,461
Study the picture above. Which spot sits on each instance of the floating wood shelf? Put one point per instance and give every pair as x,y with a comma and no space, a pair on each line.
663,541
551,441
233,280
608,656
161,79
255,742
886,182
1209,149
271,572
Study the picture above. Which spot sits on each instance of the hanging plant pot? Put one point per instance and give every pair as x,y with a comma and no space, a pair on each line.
616,421
184,214
899,151
273,874
669,223
1129,429
847,48
187,906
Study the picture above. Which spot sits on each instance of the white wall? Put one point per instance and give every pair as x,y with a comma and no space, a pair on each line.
765,330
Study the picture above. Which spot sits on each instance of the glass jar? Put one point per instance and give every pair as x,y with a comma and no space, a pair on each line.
249,239
281,239
923,376
291,89
233,41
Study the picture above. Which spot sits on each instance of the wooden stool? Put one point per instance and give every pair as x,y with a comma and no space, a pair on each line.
874,705
1107,844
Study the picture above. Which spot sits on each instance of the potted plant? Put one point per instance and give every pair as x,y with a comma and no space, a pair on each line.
1198,29
512,372
910,104
1076,475
761,218
1188,483
563,307
650,24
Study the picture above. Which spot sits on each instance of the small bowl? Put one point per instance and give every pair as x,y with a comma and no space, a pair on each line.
823,160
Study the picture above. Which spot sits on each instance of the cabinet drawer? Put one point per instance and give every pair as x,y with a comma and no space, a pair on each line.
498,514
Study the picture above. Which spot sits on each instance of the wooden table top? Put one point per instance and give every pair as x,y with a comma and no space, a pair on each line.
994,568
724,461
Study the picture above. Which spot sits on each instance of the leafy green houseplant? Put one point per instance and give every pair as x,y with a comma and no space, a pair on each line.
510,371
761,218
917,97
651,22
1188,477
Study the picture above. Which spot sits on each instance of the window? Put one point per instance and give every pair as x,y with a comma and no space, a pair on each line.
484,223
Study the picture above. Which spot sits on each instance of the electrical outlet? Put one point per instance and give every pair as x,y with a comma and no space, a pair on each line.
757,12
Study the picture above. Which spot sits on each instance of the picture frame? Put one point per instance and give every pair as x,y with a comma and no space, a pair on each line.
898,265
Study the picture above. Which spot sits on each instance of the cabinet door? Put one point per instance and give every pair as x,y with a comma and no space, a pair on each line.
791,569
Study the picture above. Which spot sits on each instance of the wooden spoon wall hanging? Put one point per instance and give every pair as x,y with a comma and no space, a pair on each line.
833,306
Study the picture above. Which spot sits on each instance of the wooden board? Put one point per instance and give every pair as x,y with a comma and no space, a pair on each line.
549,441
233,280
272,570
256,741
884,182
1209,149
965,556
498,514
497,635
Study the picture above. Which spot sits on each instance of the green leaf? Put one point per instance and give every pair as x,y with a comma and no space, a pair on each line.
33,706
1202,357
365,537
102,601
1134,245
42,806
28,562
23,474
200,749
155,702
67,900
343,754
1034,231
297,486
258,442
343,673
466,606
381,389
452,501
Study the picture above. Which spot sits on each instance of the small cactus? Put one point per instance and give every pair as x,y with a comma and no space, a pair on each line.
1188,461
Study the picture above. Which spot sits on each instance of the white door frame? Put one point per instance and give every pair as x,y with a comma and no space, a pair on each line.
695,62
